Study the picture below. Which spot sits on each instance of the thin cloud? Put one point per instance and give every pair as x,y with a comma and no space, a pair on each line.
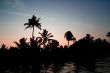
14,7
13,4
15,12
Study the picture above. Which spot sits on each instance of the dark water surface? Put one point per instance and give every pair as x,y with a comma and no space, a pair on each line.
101,65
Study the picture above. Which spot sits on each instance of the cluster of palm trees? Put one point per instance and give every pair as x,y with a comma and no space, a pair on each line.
45,38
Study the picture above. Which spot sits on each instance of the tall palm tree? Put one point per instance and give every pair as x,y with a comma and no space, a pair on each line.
69,36
32,23
45,36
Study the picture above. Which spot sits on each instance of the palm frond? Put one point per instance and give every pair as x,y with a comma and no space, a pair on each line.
40,34
38,25
28,26
38,20
50,36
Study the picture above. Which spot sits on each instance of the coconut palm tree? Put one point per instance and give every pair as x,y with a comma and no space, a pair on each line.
45,36
32,23
69,36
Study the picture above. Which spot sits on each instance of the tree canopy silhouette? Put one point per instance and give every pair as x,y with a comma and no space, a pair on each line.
32,23
69,36
22,43
108,35
45,36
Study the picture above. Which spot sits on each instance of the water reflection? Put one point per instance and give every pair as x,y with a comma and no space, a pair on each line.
103,65
100,66
68,67
47,69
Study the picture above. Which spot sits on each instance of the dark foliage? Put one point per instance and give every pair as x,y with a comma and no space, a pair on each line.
29,55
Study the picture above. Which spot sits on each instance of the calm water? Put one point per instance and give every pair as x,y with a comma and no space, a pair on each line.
103,65
99,66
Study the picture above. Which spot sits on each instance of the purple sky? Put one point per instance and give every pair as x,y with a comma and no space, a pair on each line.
57,16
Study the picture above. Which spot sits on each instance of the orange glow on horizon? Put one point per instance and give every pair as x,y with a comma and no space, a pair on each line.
10,43
62,41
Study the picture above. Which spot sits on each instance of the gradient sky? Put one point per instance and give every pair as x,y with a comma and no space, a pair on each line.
57,16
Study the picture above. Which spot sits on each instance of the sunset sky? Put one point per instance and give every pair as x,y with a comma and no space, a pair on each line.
57,16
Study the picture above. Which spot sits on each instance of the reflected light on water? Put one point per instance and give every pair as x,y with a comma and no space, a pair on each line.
47,69
68,68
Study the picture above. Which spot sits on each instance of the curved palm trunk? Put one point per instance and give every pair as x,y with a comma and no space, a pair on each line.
68,44
33,33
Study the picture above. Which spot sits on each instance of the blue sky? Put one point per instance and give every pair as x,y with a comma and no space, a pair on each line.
57,16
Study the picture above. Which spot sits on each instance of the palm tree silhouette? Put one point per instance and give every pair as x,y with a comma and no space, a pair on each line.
35,42
108,35
33,22
45,36
22,43
69,36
